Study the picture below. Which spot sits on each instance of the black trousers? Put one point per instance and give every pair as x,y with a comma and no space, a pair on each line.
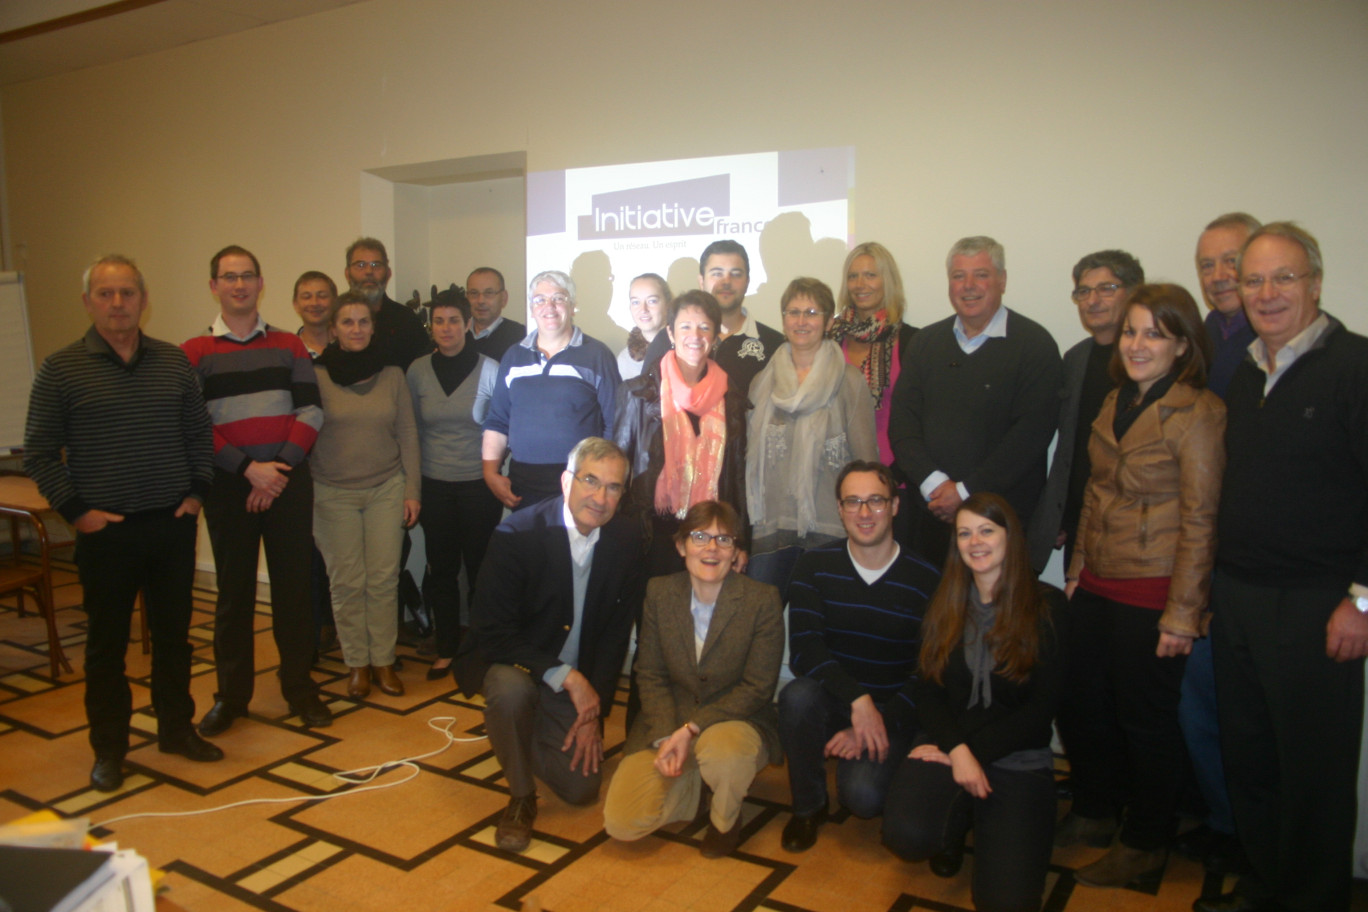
458,517
1119,719
154,553
535,482
286,530
1290,720
927,812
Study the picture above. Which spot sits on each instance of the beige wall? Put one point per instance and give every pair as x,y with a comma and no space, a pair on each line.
1059,128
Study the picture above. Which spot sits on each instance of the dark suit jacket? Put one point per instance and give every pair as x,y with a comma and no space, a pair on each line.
1040,538
738,671
524,601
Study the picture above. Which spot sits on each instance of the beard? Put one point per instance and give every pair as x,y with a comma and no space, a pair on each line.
374,294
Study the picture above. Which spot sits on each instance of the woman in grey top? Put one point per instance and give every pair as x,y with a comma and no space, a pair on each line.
451,389
365,469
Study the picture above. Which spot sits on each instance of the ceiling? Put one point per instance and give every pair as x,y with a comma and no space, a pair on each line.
41,38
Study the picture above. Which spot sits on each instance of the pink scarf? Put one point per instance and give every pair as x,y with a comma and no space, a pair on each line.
691,461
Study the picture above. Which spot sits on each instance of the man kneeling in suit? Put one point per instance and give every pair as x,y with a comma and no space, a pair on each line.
559,589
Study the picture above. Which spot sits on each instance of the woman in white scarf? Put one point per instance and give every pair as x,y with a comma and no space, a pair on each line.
813,414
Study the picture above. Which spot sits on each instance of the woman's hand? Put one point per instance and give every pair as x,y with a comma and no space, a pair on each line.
1069,586
930,753
673,752
739,560
964,766
411,508
1172,644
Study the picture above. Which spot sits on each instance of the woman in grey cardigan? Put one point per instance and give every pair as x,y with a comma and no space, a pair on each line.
365,469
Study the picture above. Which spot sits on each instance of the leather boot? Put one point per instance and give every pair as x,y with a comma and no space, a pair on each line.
387,680
359,684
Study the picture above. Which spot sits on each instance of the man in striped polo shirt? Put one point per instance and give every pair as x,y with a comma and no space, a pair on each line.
855,613
139,459
263,399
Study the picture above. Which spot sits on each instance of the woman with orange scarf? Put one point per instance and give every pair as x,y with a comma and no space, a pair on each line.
684,430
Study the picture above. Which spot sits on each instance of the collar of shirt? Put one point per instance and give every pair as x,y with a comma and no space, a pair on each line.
747,329
530,343
581,545
220,328
873,576
97,344
996,329
489,329
1300,344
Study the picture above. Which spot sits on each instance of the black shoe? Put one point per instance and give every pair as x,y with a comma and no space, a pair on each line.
219,719
312,712
107,774
719,844
1230,902
949,862
800,833
1096,832
192,747
436,674
514,832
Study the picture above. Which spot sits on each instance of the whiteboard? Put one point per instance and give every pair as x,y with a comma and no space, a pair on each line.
16,361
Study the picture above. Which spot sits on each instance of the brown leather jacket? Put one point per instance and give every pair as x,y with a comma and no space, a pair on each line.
1150,506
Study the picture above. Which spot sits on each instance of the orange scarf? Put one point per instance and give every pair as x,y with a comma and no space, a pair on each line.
691,460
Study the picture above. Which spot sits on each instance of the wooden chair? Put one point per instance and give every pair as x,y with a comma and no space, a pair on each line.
18,575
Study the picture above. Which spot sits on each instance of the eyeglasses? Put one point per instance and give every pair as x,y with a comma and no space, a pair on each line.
877,503
701,538
794,313
1252,284
232,278
559,300
595,484
1105,290
368,264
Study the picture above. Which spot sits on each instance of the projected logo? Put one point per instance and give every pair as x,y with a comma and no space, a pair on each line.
662,210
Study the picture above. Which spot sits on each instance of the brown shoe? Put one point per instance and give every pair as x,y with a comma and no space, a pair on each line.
514,833
719,845
387,680
359,684
1123,866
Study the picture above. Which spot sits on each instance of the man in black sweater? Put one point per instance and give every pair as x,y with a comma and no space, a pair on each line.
491,332
977,401
1290,594
399,332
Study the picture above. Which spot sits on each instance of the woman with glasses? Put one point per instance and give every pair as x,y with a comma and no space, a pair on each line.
1138,583
813,414
991,672
684,430
365,466
649,299
707,661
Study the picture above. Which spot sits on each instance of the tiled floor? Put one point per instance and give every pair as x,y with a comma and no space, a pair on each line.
426,843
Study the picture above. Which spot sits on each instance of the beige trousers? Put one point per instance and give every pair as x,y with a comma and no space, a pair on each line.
640,800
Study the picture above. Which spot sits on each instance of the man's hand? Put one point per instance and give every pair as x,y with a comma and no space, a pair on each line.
1172,644
929,753
259,501
964,766
92,521
739,560
1346,636
268,477
411,508
674,750
870,734
842,745
585,698
945,501
188,507
587,741
501,488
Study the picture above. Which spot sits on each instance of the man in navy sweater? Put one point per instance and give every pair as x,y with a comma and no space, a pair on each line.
1290,594
855,615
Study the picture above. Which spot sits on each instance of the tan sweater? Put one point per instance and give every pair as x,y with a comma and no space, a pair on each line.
368,433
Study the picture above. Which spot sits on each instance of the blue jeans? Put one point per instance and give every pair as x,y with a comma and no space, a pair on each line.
775,568
926,813
808,716
1197,717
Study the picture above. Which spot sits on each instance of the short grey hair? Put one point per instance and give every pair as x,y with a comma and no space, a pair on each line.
1295,233
555,277
973,246
595,448
113,259
1125,267
1234,220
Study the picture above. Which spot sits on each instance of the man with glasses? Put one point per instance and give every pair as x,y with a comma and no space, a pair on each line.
399,333
1103,282
1290,595
554,604
554,388
492,332
855,612
977,401
259,384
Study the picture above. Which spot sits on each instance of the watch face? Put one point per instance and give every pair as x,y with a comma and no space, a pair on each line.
1361,603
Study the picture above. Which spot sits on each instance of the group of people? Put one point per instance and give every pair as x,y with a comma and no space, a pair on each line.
887,492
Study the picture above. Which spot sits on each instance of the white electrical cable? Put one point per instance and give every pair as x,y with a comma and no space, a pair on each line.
358,777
